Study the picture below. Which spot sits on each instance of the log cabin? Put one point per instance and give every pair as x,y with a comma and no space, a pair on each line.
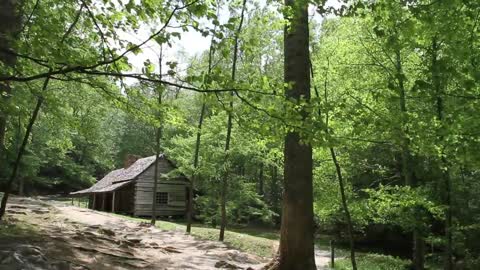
129,190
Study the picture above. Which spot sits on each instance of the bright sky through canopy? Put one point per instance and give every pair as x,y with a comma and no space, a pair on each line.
190,44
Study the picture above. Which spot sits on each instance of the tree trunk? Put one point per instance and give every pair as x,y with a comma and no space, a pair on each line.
18,143
21,186
155,174
273,187
407,169
195,166
5,92
21,151
197,148
345,208
224,188
158,136
261,188
436,77
296,251
338,169
10,23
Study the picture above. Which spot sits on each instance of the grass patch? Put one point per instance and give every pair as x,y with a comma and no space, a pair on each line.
252,244
15,228
260,242
11,227
271,234
163,225
373,261
73,201
323,243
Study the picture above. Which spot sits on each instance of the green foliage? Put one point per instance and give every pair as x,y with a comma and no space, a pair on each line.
374,262
392,79
403,206
244,206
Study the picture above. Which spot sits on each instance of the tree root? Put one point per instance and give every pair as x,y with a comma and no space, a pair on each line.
274,264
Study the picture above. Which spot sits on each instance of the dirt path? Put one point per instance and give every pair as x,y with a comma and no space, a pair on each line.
80,239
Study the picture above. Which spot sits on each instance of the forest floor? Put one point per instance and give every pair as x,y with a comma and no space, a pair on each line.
44,235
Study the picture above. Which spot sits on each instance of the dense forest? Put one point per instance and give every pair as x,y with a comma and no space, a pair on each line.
355,119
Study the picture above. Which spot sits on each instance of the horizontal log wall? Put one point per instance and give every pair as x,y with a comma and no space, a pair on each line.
176,189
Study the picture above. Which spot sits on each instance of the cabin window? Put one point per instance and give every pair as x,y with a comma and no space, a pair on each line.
162,198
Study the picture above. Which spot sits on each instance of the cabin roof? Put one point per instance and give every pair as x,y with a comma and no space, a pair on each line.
120,177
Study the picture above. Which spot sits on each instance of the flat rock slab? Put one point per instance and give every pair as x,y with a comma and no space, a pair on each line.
30,257
17,212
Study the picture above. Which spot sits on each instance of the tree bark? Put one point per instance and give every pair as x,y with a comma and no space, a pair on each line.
224,188
21,151
296,251
158,136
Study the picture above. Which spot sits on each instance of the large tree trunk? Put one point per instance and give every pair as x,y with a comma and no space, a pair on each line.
21,151
296,251
224,188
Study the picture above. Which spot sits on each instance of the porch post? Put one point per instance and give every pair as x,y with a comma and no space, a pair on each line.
103,201
94,201
113,202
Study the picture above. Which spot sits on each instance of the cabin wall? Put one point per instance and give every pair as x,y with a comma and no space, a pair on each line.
176,189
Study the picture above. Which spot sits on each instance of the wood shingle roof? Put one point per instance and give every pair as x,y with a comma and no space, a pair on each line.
120,177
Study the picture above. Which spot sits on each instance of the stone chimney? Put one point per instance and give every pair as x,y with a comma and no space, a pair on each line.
129,160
